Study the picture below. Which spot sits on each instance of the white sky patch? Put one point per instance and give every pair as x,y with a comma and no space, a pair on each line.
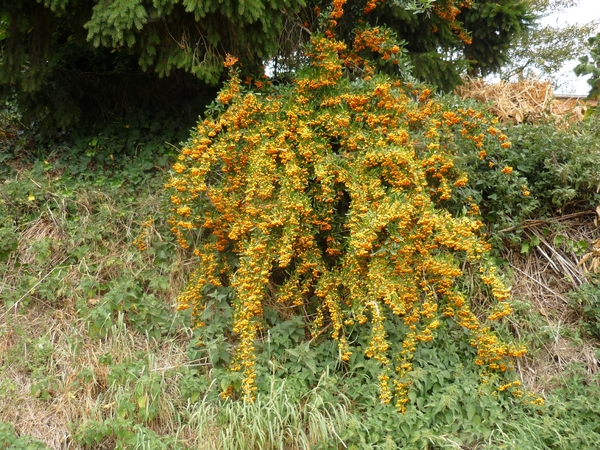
586,11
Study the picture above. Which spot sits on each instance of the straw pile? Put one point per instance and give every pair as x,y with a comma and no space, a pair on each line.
526,101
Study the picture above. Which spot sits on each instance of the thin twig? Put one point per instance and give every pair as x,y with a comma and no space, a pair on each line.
541,250
320,332
541,284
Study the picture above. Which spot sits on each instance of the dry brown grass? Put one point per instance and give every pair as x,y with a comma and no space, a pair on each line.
80,390
69,355
543,279
72,402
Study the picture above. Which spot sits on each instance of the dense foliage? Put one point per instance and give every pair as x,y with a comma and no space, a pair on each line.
82,57
550,172
590,65
446,39
90,58
106,363
336,181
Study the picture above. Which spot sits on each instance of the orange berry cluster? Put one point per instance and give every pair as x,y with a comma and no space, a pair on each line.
141,242
449,10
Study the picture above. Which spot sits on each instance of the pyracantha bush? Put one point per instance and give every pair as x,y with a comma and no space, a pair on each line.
325,196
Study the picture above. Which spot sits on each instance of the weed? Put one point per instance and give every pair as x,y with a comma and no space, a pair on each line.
587,301
9,440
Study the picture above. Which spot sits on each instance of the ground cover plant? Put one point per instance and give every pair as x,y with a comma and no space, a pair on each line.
93,353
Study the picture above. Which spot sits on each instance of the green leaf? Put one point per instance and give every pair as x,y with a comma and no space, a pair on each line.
470,411
225,383
142,401
559,239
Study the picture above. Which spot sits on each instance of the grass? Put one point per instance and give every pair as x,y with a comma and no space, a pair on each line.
273,420
93,354
55,376
87,317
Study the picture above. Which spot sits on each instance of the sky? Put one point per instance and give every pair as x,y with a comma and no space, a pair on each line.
586,11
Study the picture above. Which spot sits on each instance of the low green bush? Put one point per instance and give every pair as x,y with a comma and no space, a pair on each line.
550,171
9,440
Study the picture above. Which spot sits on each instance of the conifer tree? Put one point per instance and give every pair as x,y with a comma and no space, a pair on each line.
47,46
72,57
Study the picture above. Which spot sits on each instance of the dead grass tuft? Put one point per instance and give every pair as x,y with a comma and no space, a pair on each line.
544,279
545,370
70,366
41,229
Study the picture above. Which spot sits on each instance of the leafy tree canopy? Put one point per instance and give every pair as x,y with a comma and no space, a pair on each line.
74,57
590,65
542,50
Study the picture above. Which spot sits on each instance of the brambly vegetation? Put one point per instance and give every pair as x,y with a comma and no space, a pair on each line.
348,260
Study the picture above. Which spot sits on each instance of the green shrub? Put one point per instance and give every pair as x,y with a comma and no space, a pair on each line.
9,440
558,170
